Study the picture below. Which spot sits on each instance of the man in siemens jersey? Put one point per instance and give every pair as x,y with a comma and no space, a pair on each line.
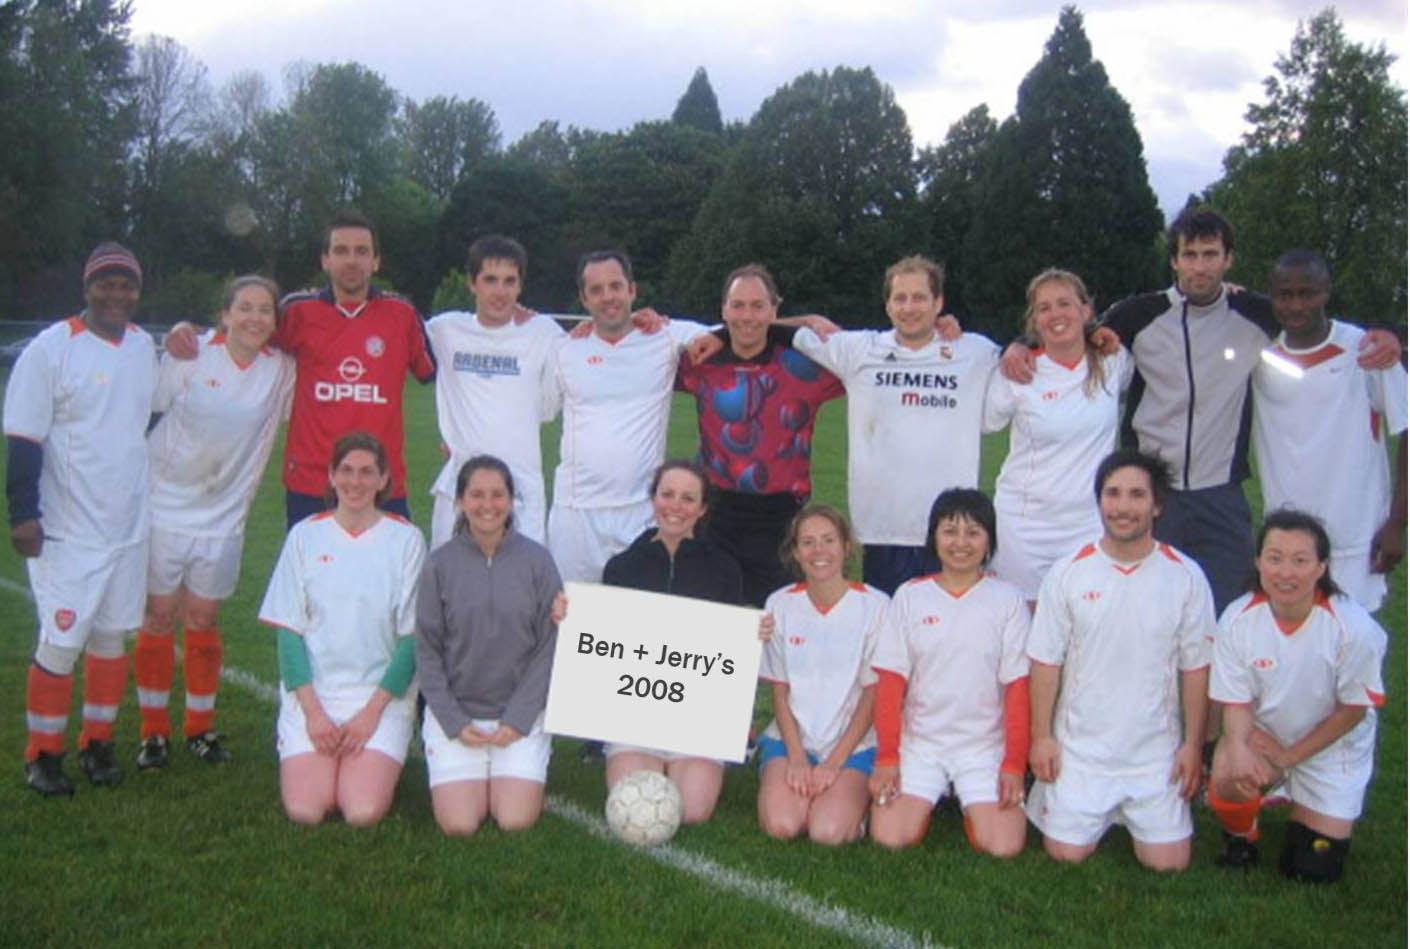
76,412
1195,345
494,383
352,346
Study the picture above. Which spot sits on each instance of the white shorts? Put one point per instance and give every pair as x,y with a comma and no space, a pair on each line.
79,589
207,566
448,759
1083,803
528,517
582,540
392,737
1333,782
612,748
1028,548
975,776
1351,569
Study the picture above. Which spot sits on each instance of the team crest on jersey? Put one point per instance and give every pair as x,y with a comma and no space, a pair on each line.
1092,596
325,558
212,383
594,360
64,619
946,352
796,640
1264,664
1051,395
931,620
375,346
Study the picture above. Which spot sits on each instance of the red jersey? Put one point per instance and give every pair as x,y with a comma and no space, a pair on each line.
757,417
350,370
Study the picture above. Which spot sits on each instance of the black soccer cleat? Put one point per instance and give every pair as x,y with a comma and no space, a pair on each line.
99,762
208,748
46,775
153,754
1240,853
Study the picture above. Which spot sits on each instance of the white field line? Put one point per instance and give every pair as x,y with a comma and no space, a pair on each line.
774,893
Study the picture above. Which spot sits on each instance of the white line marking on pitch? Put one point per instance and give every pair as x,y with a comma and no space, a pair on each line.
774,893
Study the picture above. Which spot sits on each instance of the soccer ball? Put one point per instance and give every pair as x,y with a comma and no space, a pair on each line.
644,808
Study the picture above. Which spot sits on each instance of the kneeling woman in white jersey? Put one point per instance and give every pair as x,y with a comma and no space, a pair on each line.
952,695
206,456
485,636
816,755
1061,425
343,596
1297,668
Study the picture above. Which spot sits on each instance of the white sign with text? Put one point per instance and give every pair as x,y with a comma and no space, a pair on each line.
655,670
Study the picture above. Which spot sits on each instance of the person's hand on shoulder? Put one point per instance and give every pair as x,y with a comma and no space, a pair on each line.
1378,349
182,341
1017,363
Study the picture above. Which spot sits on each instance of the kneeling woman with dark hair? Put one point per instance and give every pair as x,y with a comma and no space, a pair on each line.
484,647
1297,668
342,596
670,558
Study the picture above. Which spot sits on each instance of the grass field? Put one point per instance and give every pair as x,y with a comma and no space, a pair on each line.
202,856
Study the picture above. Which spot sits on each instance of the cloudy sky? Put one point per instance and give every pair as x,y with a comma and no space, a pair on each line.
1188,69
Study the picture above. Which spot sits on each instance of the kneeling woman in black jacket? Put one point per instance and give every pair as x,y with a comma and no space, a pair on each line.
670,558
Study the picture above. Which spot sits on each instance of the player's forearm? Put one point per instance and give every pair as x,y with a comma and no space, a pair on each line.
1237,721
1043,682
24,461
1194,698
856,728
787,724
1327,731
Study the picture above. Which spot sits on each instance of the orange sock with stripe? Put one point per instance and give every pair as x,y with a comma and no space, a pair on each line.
154,662
47,698
1238,817
104,679
203,657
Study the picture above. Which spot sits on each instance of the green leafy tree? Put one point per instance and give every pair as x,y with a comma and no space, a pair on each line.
1064,183
523,199
444,136
698,106
1323,167
66,120
821,189
550,147
950,173
641,190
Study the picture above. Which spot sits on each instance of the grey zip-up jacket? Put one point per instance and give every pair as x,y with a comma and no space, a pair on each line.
484,633
1189,401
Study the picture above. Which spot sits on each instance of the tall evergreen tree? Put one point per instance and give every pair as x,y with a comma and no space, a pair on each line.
950,174
821,188
1064,184
1323,167
698,107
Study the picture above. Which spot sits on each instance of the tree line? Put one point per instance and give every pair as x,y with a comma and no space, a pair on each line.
111,136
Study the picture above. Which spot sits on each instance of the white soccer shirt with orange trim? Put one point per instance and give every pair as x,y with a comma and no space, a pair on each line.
1122,633
913,423
494,388
956,653
350,596
87,401
208,451
616,402
1058,435
1320,423
1293,680
826,660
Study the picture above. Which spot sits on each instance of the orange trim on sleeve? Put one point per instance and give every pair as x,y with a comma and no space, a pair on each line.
1377,698
890,694
1085,552
1017,725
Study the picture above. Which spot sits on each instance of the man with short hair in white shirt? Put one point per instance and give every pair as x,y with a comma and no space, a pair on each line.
615,384
1120,647
76,413
494,384
1320,424
915,407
